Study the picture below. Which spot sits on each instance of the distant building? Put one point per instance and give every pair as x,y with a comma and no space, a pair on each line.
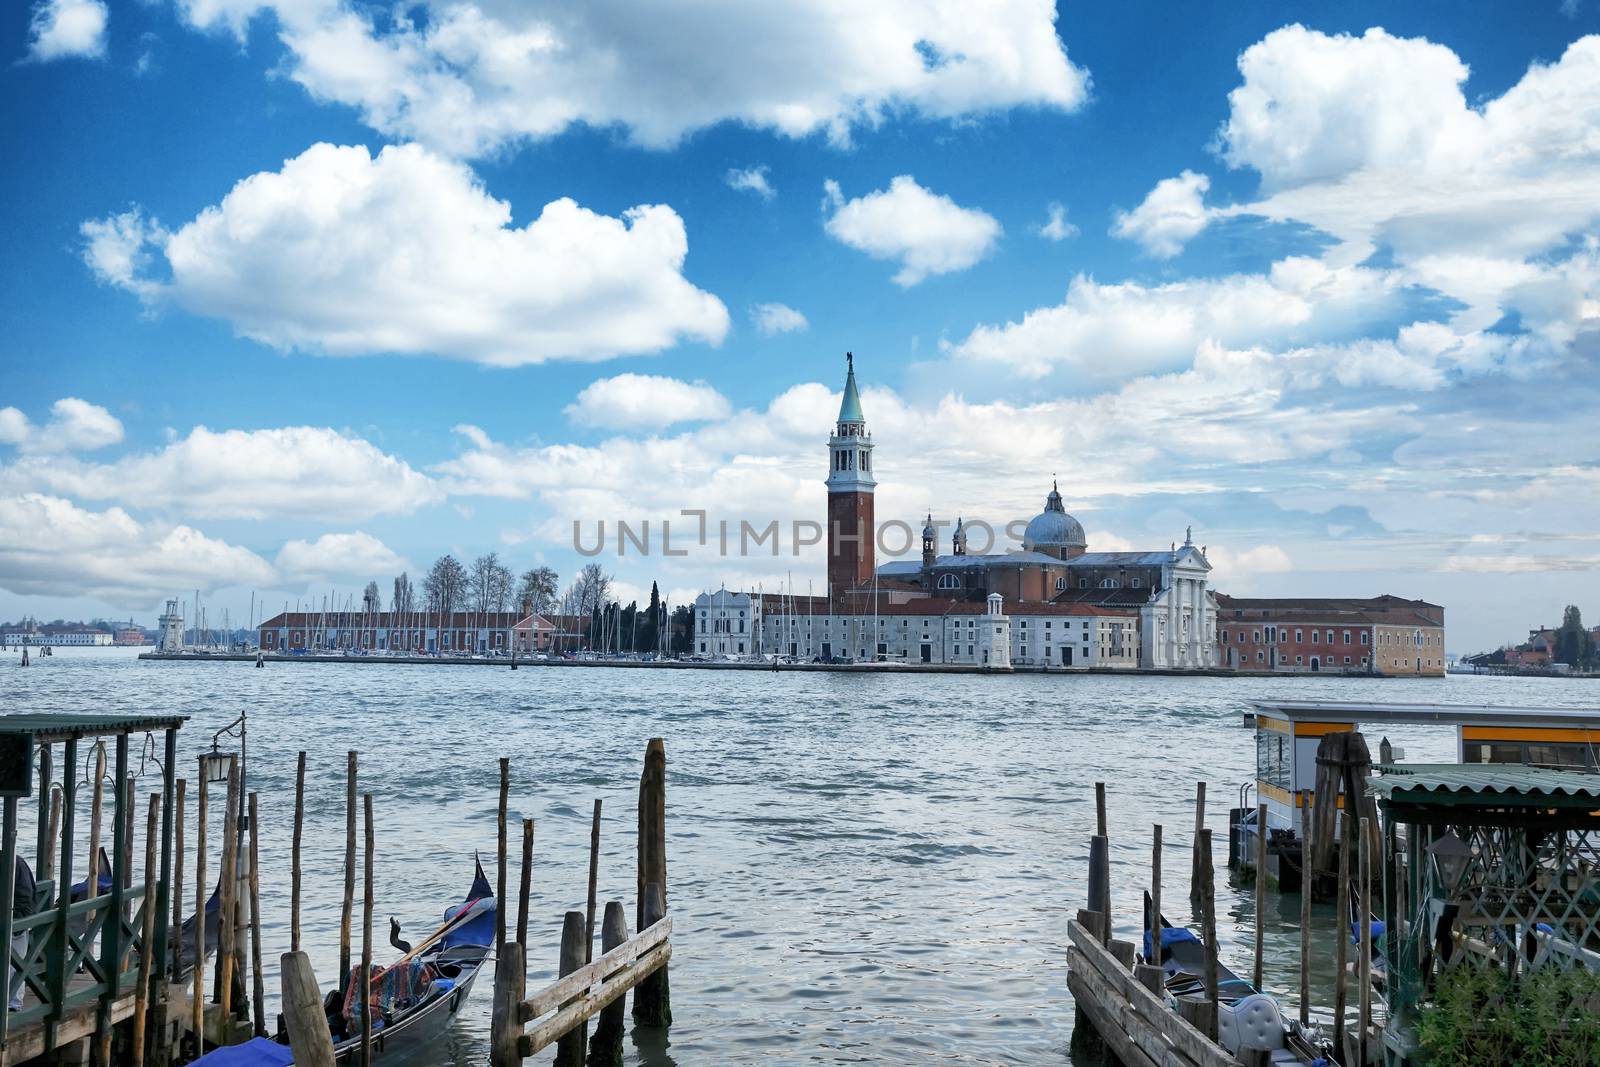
130,635
58,636
171,632
1377,635
456,633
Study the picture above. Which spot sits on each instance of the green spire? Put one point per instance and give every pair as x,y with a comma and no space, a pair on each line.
850,409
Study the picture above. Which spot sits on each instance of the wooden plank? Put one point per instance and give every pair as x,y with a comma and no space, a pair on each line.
1116,1038
1144,1003
546,1033
564,989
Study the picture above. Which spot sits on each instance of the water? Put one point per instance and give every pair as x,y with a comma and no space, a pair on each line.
864,868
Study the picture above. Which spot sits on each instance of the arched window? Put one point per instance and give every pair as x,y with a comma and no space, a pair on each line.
949,581
1061,583
1109,583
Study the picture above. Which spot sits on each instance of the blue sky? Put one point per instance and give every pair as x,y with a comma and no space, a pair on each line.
1323,283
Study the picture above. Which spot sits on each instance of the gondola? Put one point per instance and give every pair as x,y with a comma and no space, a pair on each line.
1246,1017
440,974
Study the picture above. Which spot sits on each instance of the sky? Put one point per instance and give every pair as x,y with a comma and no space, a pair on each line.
302,293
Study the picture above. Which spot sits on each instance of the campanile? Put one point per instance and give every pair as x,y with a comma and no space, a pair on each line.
851,560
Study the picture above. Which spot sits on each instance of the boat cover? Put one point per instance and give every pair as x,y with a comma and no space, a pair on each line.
257,1052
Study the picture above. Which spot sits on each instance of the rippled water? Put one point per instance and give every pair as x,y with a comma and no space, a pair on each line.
864,868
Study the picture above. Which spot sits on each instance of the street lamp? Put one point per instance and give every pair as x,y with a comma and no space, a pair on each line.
1451,855
214,764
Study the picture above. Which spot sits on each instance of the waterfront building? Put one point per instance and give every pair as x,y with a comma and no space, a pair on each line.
457,633
1377,635
58,636
1121,609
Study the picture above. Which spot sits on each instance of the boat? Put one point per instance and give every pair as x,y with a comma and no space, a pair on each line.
1246,1017
440,973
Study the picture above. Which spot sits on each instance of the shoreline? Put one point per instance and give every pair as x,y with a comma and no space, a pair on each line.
717,665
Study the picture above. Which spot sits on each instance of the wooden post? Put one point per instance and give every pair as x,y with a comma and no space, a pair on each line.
230,894
1305,913
294,862
527,882
141,994
172,1032
1100,884
594,874
571,1048
1341,937
258,999
1208,924
1199,827
500,880
197,1002
606,1048
652,1006
510,981
1365,877
349,874
1100,809
55,833
303,1016
1153,957
366,941
1261,893
91,886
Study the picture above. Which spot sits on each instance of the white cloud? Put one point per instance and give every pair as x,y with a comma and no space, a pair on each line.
468,76
751,180
356,556
347,254
773,319
75,425
645,401
53,547
1056,227
1173,212
1235,565
293,472
1514,563
1112,332
926,232
62,28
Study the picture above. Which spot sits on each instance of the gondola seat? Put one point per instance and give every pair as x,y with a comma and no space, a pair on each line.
1253,1022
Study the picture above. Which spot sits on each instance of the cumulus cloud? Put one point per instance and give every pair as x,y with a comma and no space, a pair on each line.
52,547
773,319
293,472
354,555
63,28
75,425
1173,212
751,180
1111,332
928,233
1230,564
634,401
467,76
1056,227
346,254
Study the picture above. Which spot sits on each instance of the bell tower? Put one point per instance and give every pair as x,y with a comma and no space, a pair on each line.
851,533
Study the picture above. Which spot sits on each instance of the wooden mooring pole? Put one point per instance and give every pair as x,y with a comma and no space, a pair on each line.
258,978
366,940
571,1050
1199,827
1261,893
294,860
1208,930
303,1015
197,1002
226,921
147,933
594,875
1151,974
349,873
500,877
173,1031
652,1000
505,1025
526,888
1306,882
606,1048
1364,1018
1341,934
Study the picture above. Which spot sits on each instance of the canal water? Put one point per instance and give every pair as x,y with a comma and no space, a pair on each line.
864,868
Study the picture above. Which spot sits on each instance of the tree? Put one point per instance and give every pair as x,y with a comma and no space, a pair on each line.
1572,640
405,596
682,635
489,584
536,590
650,640
371,599
445,588
591,588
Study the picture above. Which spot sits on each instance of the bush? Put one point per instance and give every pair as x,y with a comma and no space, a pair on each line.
1547,1018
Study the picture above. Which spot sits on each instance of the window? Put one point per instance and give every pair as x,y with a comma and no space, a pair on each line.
1313,637
1083,583
1061,583
949,581
1363,639
1109,583
1299,659
1347,659
1299,636
1260,655
1347,640
1255,636
1134,583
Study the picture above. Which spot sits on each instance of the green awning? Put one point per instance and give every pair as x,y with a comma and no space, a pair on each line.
1490,785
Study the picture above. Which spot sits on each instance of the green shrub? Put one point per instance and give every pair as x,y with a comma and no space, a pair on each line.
1547,1018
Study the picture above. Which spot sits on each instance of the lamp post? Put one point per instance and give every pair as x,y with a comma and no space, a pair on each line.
216,764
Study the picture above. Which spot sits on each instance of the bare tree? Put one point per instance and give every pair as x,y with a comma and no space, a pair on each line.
489,584
536,590
371,599
445,587
591,588
405,596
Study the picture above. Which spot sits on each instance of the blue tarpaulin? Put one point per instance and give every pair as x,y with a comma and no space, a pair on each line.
257,1052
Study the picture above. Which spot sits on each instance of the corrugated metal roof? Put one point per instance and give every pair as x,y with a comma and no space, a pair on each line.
59,727
1495,784
1436,714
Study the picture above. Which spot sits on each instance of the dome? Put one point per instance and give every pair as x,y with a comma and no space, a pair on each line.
1053,527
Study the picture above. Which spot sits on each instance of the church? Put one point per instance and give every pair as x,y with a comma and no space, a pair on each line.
1050,603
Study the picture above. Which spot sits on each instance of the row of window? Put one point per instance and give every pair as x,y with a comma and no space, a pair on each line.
1282,636
845,460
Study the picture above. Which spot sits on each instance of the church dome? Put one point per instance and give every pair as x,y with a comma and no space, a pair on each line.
1053,527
